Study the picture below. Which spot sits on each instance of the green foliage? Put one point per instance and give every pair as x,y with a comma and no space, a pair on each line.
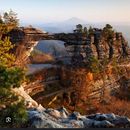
108,31
8,21
108,26
11,104
79,28
116,66
7,97
85,31
104,63
6,58
16,112
10,76
3,29
94,65
10,18
1,20
90,31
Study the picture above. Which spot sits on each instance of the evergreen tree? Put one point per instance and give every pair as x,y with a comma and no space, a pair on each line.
8,21
10,77
90,31
1,20
79,28
6,59
85,31
108,32
10,18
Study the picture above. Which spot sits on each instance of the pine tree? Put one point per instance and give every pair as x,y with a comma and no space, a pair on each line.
79,28
108,32
10,77
90,31
6,59
10,18
85,30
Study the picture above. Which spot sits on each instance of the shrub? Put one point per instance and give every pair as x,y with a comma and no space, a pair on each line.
17,114
116,106
93,65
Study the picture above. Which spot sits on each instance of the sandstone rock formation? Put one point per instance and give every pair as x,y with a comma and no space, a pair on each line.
79,46
59,119
82,48
39,117
24,39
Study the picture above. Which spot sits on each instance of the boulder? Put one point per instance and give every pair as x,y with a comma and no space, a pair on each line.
110,117
54,113
51,118
102,124
64,113
101,117
77,124
38,120
92,116
121,121
75,115
40,108
88,123
107,120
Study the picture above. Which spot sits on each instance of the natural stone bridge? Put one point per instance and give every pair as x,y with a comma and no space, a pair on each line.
80,46
25,39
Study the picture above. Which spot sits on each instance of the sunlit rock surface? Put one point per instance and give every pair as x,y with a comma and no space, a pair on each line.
40,117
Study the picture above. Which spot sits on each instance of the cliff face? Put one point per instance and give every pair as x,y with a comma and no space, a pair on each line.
79,46
40,117
82,47
24,40
56,80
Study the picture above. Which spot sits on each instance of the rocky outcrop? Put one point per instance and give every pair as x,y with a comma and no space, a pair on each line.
82,47
61,118
25,39
29,102
41,77
39,117
79,46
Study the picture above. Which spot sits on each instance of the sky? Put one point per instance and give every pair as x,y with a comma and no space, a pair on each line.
58,10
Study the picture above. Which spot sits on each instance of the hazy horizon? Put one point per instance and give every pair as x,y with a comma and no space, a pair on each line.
62,15
40,11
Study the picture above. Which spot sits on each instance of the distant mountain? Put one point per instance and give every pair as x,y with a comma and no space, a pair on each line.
52,47
69,25
74,21
63,26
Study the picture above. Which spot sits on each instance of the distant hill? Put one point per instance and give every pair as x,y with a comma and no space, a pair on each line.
63,26
53,47
69,25
73,21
